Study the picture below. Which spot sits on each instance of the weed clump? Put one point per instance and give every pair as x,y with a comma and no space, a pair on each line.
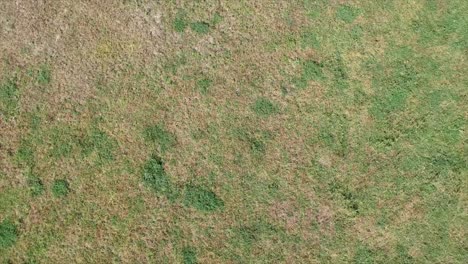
180,22
311,70
8,234
264,107
204,84
202,199
155,177
9,96
347,13
99,142
189,255
60,188
200,27
44,75
159,135
36,186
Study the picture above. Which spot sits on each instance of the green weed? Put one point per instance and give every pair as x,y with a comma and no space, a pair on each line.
96,141
9,98
200,27
44,75
157,134
180,22
347,13
35,185
60,188
189,255
202,199
264,107
8,234
203,85
155,177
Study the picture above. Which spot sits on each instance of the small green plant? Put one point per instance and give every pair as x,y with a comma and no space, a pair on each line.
8,234
217,18
62,141
309,40
9,97
200,27
180,22
203,85
202,199
258,146
189,255
60,188
155,177
96,141
264,107
347,13
44,75
159,135
35,185
25,153
312,70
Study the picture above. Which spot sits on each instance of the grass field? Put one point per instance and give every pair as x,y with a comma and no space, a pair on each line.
269,131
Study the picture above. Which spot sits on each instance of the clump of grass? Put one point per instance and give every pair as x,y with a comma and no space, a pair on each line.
264,107
35,185
155,177
257,146
347,13
200,27
99,142
309,40
8,234
60,188
203,85
189,255
217,18
202,199
157,134
9,96
180,22
62,141
311,70
25,153
44,75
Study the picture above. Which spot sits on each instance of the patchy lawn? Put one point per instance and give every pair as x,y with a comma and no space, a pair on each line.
138,131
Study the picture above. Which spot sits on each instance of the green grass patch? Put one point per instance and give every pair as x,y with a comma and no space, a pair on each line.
8,234
9,98
63,140
311,71
158,135
156,178
99,143
36,186
309,40
217,18
347,13
203,85
202,199
189,255
180,22
44,75
25,154
60,188
264,107
200,27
